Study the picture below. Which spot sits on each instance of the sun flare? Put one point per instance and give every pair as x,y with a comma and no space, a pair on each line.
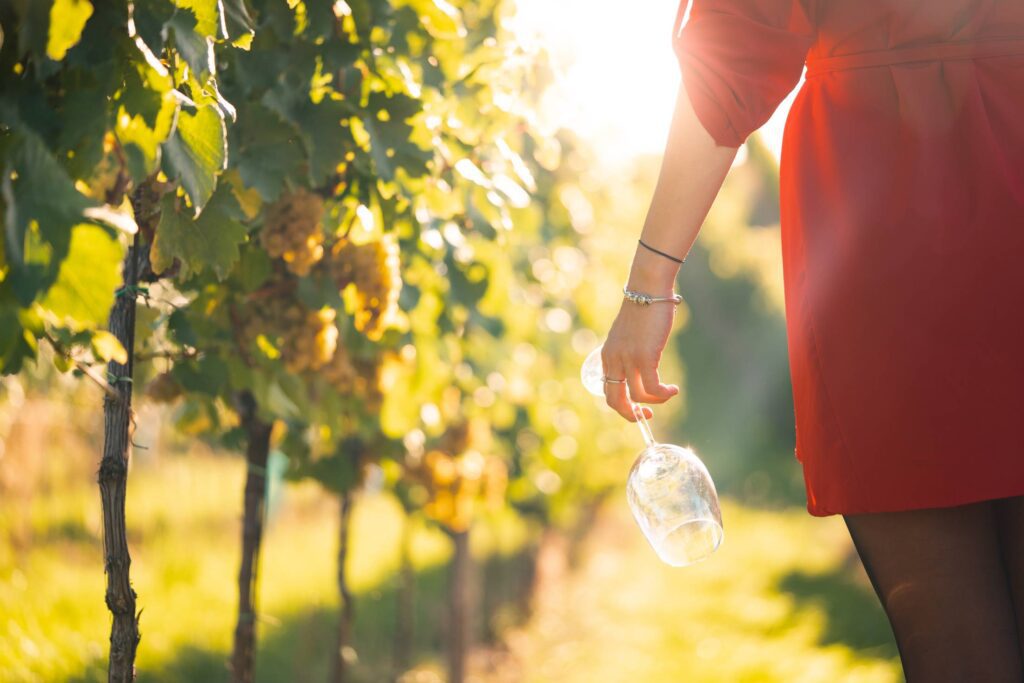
617,75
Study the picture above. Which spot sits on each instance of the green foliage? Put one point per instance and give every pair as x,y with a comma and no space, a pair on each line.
67,19
349,214
81,297
42,205
364,106
94,100
207,242
196,153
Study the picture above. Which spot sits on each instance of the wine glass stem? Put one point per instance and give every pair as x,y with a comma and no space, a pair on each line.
641,422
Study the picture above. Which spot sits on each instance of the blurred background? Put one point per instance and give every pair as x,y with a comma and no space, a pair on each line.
548,578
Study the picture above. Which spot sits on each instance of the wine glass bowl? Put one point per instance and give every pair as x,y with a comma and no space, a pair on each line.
592,373
669,490
674,501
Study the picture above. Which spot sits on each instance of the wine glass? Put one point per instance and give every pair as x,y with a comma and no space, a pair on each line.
669,490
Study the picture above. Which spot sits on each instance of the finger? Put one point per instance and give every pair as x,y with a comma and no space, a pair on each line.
636,387
654,390
615,392
632,407
637,392
648,413
630,398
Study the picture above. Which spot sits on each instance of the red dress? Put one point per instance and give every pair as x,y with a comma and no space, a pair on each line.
902,230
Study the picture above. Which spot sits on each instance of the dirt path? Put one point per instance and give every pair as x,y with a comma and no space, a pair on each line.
780,601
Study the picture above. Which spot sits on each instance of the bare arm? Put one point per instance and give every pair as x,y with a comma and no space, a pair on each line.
692,171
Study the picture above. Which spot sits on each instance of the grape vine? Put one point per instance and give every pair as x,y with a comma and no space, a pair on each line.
356,242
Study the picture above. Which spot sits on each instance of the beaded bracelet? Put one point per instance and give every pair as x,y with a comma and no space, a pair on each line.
646,299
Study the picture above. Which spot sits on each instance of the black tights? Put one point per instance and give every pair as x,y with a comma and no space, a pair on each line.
951,581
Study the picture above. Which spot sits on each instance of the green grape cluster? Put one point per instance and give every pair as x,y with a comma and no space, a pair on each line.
310,341
163,388
460,481
292,232
374,269
460,486
357,377
340,372
305,338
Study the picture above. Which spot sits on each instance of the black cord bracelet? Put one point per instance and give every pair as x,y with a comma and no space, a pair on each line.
661,253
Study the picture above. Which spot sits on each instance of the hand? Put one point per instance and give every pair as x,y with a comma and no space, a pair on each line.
633,351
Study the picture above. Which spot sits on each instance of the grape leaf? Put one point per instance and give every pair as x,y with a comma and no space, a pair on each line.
149,17
106,347
441,19
326,140
390,145
206,13
83,114
84,291
196,153
209,241
195,48
37,193
362,14
206,375
67,19
145,118
36,188
95,48
253,269
271,392
16,343
239,25
339,473
33,28
143,92
259,136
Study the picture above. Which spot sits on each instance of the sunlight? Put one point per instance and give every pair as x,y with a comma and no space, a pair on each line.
617,76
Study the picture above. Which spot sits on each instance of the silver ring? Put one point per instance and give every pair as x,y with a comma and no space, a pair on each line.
609,380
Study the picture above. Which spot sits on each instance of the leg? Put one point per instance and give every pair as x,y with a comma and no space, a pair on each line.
939,575
1010,516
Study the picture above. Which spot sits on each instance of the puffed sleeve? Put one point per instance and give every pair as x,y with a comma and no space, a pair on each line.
739,59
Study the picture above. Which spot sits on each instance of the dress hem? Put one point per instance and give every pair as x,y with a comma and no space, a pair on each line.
943,501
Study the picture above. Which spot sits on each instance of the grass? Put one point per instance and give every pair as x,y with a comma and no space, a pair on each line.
184,535
783,600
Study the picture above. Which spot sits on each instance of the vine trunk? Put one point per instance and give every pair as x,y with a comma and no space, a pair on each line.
459,607
405,627
343,646
113,479
257,449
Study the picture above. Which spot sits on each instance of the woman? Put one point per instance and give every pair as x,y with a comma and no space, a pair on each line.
902,227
